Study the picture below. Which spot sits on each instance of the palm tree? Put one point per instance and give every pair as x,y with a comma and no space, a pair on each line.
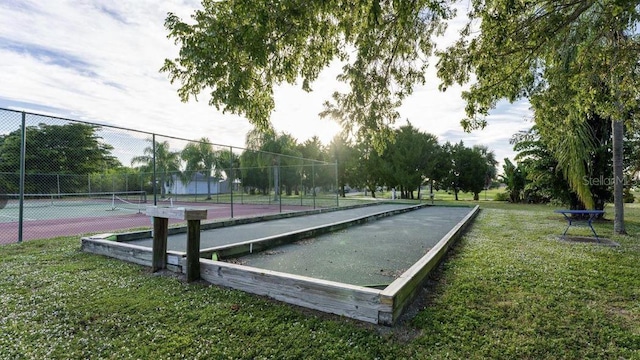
515,178
200,157
227,162
166,162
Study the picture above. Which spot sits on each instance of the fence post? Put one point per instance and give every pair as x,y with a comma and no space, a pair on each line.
23,155
337,186
231,177
279,186
155,190
313,184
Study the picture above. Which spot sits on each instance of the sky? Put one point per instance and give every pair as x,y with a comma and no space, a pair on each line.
99,61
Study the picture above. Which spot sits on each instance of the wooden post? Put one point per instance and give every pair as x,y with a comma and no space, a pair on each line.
193,250
159,248
161,218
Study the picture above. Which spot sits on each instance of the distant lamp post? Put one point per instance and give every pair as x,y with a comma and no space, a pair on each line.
220,182
237,183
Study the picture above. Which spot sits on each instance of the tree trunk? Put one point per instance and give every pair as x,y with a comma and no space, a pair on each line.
618,175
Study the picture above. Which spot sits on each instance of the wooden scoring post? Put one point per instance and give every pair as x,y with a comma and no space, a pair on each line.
161,216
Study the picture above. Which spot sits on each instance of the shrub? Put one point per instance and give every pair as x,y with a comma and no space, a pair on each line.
501,196
628,196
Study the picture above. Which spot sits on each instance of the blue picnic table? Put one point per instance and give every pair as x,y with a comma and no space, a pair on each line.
591,216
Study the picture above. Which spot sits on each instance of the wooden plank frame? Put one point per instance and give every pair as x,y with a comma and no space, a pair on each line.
352,301
365,304
144,234
400,293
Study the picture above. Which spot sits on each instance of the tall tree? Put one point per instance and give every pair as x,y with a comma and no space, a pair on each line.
241,50
411,158
369,169
515,177
166,162
490,158
545,181
227,163
200,157
278,152
53,150
342,151
574,58
316,172
255,176
468,169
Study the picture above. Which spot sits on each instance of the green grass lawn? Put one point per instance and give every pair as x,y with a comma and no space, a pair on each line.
509,289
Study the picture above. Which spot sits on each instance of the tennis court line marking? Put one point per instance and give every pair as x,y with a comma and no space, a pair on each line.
125,209
16,218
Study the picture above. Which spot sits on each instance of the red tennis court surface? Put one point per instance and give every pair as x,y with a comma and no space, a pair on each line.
50,228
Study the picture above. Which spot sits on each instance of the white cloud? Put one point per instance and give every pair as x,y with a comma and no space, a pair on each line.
99,61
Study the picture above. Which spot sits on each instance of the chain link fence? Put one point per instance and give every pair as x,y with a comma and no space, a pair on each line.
61,177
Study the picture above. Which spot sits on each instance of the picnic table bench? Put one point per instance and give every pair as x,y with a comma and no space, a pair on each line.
591,215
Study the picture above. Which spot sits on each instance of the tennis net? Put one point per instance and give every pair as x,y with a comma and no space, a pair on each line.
131,200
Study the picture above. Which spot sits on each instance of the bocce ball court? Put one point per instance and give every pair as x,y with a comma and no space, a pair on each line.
365,262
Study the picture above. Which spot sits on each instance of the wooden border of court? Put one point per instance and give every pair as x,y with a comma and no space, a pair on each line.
361,303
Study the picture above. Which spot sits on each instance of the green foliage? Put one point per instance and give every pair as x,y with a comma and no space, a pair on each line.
268,151
200,158
515,178
632,150
573,59
469,168
508,289
240,51
413,157
544,180
539,47
166,162
502,196
342,150
73,149
313,173
547,180
628,196
371,169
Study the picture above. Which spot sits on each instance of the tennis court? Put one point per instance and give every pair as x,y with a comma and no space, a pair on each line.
75,205
53,215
